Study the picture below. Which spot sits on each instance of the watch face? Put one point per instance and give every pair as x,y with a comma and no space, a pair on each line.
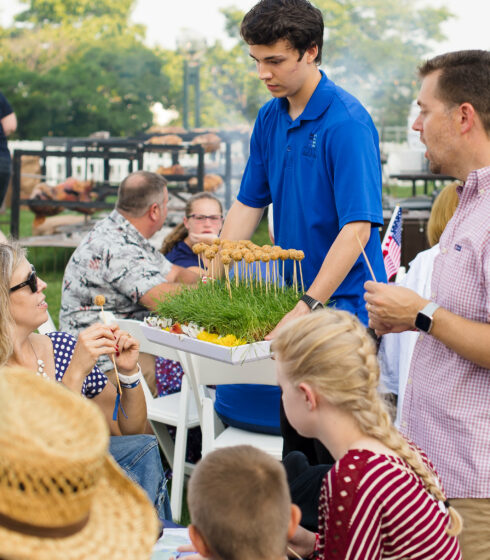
423,322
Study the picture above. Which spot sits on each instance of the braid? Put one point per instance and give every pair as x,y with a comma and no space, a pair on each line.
375,421
179,233
336,355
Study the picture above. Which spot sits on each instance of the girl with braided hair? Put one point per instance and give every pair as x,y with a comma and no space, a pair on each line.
382,498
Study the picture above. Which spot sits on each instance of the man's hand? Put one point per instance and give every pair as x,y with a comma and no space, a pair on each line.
298,311
391,308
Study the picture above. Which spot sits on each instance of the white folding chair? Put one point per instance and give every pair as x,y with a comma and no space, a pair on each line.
205,371
178,409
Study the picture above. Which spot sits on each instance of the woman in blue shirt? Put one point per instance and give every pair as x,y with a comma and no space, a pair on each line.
249,407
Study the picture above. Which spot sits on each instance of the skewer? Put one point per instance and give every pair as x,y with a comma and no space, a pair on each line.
366,258
100,301
294,553
301,256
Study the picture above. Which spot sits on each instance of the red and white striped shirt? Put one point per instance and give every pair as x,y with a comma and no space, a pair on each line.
446,410
374,506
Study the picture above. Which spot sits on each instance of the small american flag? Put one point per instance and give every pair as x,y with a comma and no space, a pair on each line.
392,243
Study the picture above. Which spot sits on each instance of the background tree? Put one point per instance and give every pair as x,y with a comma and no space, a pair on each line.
78,66
371,48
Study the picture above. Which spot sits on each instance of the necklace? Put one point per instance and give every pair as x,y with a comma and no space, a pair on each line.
40,364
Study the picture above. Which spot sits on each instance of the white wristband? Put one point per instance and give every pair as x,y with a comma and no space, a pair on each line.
128,379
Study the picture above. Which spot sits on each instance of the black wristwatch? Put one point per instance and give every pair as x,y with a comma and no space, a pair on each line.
312,303
424,318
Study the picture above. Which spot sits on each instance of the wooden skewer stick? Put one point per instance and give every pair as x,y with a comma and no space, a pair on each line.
366,258
227,274
294,553
100,300
295,276
301,274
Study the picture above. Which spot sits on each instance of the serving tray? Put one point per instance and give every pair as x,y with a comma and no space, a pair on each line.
228,354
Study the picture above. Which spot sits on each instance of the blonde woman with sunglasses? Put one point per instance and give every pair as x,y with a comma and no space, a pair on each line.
62,358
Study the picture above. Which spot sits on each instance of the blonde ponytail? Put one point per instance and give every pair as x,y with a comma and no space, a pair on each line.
332,351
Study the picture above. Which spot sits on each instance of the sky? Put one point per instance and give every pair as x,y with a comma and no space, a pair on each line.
166,18
468,30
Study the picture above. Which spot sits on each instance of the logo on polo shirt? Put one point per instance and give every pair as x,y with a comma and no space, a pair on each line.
310,148
458,247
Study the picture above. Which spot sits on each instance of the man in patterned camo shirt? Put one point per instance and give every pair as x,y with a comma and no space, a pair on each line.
117,261
446,410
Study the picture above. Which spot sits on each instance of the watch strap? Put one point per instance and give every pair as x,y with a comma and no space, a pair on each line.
312,303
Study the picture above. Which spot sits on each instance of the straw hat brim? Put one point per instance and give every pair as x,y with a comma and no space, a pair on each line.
122,525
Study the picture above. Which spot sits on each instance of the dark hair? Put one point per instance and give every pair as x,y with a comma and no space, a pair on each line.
464,78
296,21
179,233
138,191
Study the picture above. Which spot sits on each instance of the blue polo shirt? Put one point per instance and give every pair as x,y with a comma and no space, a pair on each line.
321,171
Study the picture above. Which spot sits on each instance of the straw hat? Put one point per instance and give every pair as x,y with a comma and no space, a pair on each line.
61,495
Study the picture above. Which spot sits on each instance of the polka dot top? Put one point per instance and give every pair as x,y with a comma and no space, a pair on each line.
63,346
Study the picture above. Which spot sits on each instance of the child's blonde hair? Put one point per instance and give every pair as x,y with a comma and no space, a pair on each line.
239,502
442,211
332,351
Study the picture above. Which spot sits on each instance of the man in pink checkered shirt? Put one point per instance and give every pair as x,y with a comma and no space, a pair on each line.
447,404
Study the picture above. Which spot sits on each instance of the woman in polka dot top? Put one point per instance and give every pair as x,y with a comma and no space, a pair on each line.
58,356
382,498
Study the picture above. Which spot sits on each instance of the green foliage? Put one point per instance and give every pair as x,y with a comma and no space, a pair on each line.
61,83
78,68
249,315
372,49
232,93
61,11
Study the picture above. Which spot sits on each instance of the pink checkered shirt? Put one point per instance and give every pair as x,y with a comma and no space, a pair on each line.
446,410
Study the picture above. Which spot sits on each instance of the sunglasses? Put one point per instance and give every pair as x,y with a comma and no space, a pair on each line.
31,282
202,217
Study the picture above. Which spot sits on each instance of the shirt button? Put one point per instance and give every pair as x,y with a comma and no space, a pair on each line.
444,250
421,336
433,295
409,380
288,148
481,191
404,424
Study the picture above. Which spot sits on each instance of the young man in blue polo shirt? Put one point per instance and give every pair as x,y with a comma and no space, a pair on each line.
314,154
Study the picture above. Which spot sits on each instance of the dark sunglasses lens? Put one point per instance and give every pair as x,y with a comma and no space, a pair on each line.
33,281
